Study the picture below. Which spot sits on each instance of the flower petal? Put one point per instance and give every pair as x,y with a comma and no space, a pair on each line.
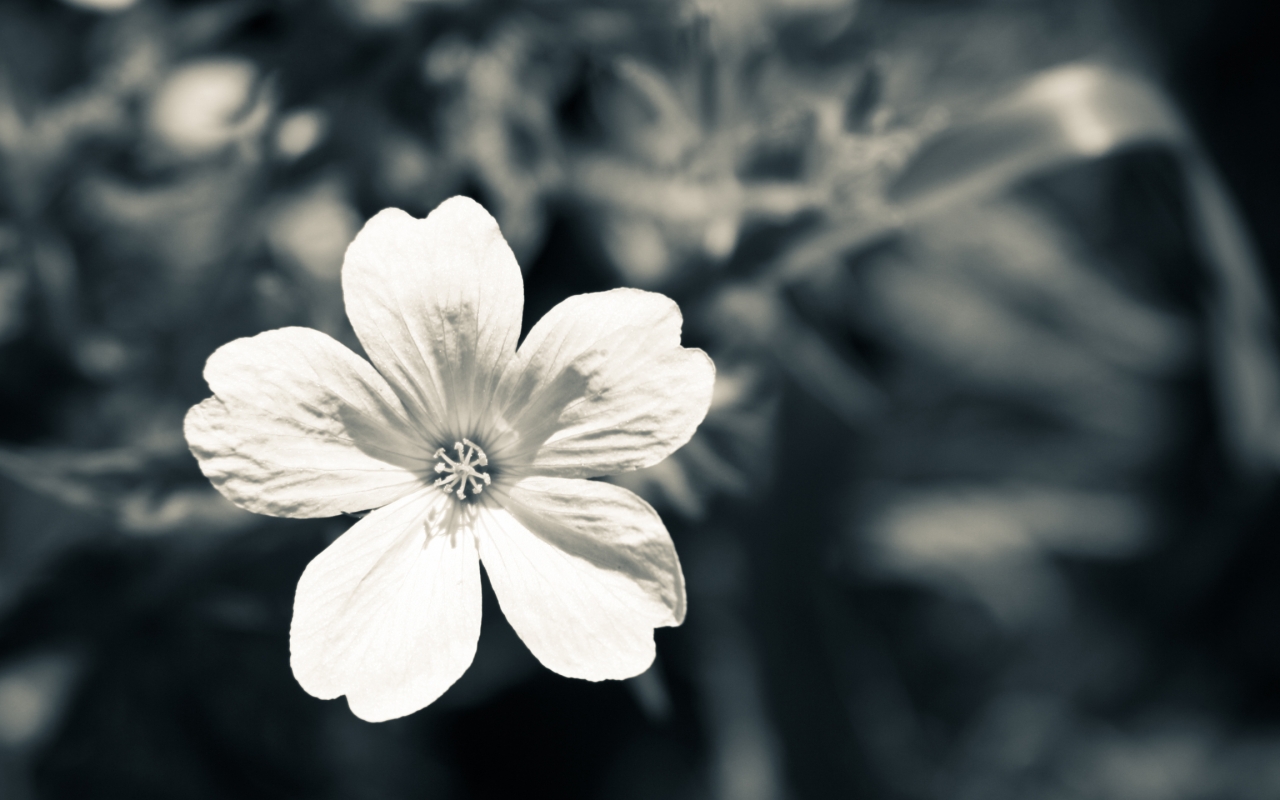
389,614
584,571
601,385
300,426
437,304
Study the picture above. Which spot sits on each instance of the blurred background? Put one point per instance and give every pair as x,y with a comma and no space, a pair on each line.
984,507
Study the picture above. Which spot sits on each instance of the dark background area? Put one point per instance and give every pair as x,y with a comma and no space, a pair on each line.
1220,60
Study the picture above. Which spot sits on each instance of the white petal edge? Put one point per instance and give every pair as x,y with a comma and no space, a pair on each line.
300,426
584,571
437,305
601,385
389,614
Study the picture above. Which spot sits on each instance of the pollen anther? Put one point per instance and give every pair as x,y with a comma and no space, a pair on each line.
465,472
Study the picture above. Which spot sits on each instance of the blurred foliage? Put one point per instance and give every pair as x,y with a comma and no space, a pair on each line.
981,506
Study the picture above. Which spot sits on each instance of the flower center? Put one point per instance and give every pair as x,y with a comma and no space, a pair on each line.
465,473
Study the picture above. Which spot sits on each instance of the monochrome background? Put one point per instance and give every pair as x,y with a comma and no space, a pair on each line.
985,504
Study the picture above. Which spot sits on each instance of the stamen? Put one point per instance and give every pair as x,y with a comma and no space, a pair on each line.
464,473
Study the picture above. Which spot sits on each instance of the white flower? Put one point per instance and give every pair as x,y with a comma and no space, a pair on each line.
470,450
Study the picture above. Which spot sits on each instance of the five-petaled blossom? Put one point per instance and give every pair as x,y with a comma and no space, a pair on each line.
469,450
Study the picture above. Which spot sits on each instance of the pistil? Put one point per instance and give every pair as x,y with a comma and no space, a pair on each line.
465,472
